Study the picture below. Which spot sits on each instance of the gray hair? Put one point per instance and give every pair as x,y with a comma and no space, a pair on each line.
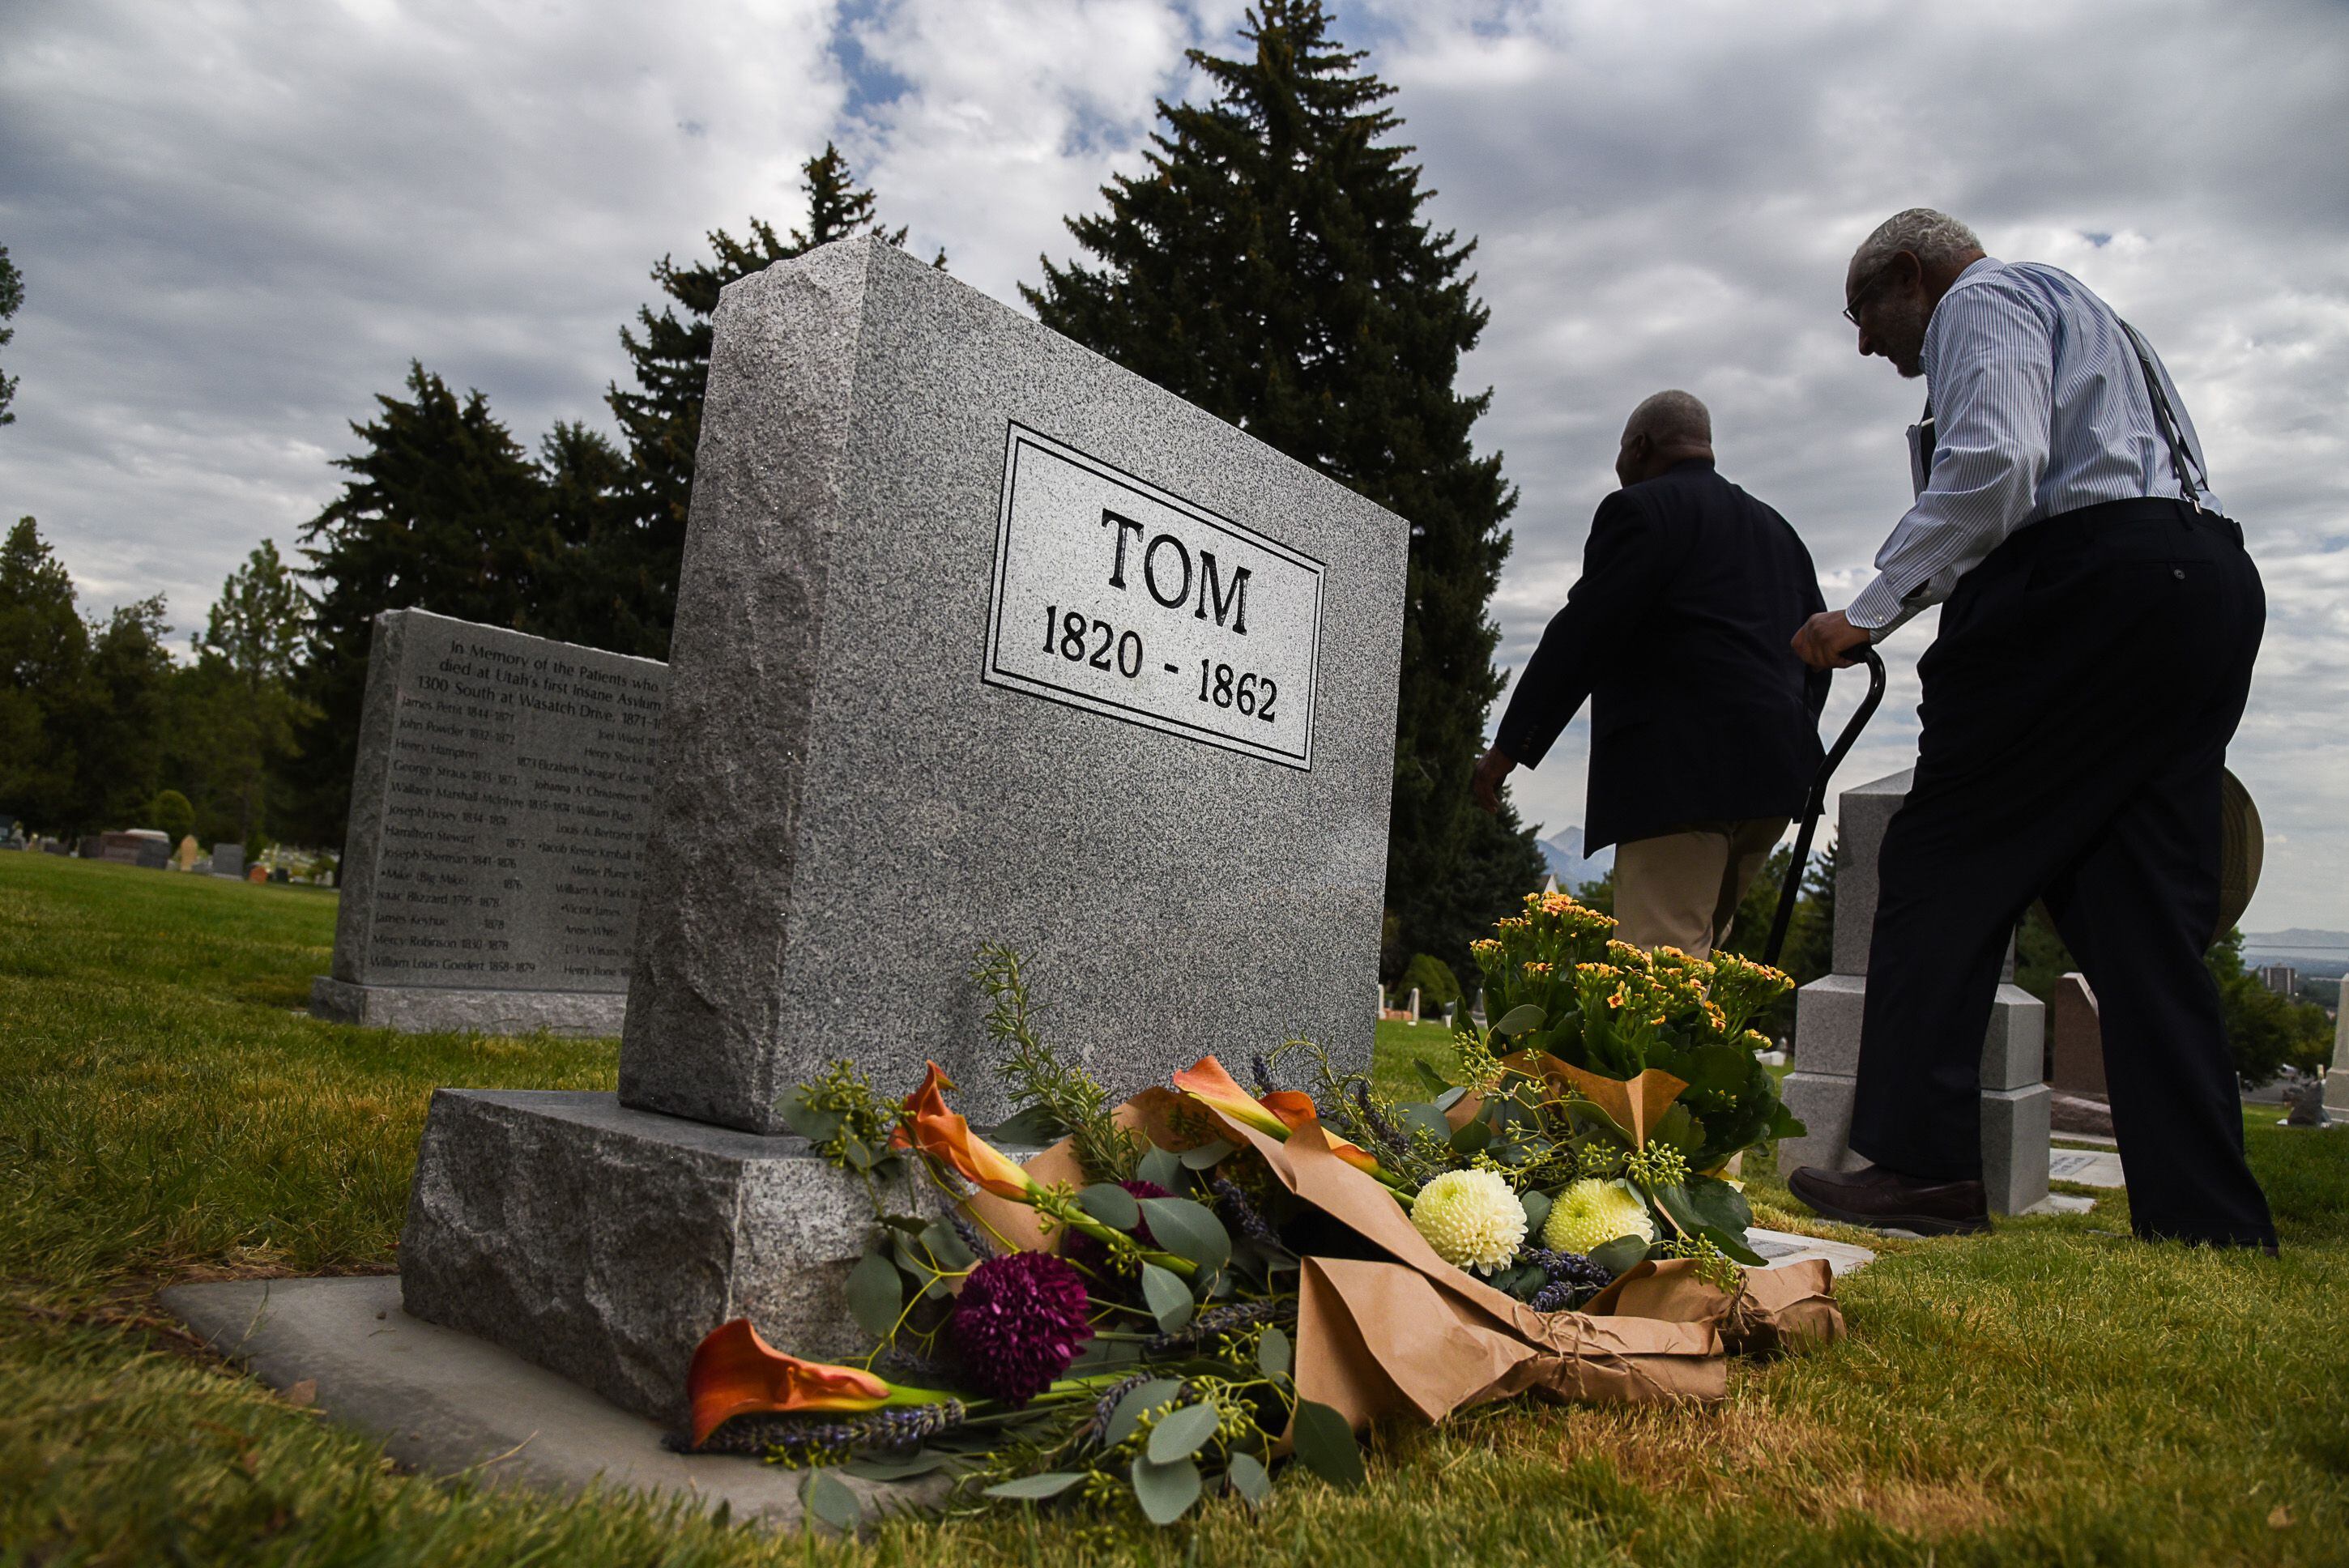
1672,419
1934,238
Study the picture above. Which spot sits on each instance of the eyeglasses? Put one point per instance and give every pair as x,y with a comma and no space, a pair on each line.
1851,310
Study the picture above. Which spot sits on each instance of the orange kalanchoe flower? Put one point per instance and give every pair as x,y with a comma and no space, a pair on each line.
1277,1115
736,1373
944,1135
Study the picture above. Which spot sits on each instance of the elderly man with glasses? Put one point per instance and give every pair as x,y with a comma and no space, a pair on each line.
2098,625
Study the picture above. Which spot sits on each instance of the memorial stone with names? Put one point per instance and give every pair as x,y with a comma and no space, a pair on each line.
979,638
499,810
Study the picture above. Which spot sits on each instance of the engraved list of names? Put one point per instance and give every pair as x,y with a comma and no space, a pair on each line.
517,802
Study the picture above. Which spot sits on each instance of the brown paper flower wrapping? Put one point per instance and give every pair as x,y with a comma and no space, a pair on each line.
1411,1335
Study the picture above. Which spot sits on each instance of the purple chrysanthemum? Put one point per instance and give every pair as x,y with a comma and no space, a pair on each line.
1018,1324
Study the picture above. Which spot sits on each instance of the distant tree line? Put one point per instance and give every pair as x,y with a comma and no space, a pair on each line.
1269,263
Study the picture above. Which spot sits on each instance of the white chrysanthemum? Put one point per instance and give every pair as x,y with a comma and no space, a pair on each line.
1592,1212
1471,1219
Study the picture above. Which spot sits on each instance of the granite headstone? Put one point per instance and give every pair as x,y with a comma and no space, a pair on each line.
979,638
1827,1013
499,808
2336,1082
228,860
2078,1050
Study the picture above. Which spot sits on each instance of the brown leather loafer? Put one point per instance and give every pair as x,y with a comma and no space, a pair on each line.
1886,1199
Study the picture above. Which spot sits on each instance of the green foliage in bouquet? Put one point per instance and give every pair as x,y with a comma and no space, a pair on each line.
1148,1359
1556,982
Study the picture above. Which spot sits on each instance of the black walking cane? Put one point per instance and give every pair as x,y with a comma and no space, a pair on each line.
1817,804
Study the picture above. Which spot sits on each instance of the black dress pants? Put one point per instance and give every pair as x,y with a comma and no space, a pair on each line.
2077,706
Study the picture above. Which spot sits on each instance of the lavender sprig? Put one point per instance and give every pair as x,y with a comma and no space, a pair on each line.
1233,1206
1221,1320
797,1438
1378,1123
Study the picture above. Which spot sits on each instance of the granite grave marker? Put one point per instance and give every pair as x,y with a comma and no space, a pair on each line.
499,810
979,638
1827,1012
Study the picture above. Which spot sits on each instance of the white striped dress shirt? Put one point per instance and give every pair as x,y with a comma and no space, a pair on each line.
2040,407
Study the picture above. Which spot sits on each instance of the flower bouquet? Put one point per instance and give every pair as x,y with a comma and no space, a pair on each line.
1188,1290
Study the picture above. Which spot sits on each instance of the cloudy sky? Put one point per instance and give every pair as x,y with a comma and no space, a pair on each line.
237,223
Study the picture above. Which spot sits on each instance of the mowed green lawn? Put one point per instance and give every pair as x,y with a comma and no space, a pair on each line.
2055,1393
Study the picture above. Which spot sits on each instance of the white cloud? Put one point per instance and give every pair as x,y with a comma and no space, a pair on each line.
237,223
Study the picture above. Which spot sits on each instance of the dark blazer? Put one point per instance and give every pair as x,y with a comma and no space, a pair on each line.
1678,632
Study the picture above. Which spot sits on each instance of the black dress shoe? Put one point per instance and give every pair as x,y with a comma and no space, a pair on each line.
1886,1199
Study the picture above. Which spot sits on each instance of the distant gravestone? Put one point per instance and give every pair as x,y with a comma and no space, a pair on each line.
184,858
499,808
228,860
2015,1100
979,638
2078,1050
2336,1082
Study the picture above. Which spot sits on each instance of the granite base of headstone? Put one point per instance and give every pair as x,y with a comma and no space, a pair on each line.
499,808
979,638
1827,1013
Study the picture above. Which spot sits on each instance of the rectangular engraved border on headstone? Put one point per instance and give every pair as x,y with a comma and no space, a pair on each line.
1228,652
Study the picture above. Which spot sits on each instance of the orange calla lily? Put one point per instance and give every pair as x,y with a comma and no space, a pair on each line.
1207,1081
736,1373
1277,1115
944,1135
927,1100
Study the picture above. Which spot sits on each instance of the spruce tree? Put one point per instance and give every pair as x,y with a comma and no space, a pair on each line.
1270,264
661,419
440,513
43,660
12,298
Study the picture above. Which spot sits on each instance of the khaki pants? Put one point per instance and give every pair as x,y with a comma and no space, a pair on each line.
1681,889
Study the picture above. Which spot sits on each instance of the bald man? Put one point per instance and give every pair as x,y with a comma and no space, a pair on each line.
1703,724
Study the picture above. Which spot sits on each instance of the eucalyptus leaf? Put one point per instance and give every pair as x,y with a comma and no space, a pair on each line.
1418,1116
877,1293
1733,1245
815,1126
1470,1136
1168,1298
1165,1492
1127,1416
1205,1155
947,1246
1189,1230
1036,1487
1111,1204
1325,1444
830,1498
1249,1479
1451,1097
1182,1433
1618,1254
856,1152
1430,1079
1536,1207
1519,1020
1274,1353
1162,1167
1717,1204
1033,1127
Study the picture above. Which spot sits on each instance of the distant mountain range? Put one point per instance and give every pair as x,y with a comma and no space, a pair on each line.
1569,865
2309,951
